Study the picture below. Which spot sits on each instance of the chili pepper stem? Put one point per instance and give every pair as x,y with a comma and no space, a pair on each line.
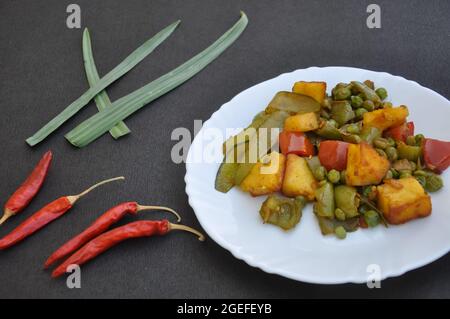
201,237
73,198
6,215
167,209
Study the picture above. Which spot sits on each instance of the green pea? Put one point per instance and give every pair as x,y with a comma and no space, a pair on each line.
381,152
389,175
340,232
391,141
357,101
368,105
342,93
360,112
339,213
433,183
422,180
419,138
411,140
380,142
334,176
372,218
343,177
382,93
405,173
387,105
370,84
333,123
320,173
391,153
353,128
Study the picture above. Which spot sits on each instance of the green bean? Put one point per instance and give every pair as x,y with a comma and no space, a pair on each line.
352,138
101,122
382,93
391,153
372,218
369,134
340,232
102,99
333,123
334,176
368,105
134,58
320,173
347,200
324,205
370,84
433,183
411,153
420,172
367,92
356,101
339,213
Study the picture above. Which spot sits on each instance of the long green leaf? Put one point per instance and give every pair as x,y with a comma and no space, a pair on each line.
134,58
101,122
102,99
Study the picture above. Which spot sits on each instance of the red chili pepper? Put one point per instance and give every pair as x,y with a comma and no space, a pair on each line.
295,143
333,155
45,215
436,154
25,193
98,245
100,225
401,132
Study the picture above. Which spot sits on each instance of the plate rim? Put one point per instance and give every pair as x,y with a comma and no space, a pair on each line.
247,258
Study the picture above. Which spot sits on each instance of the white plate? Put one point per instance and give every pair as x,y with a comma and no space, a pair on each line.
303,254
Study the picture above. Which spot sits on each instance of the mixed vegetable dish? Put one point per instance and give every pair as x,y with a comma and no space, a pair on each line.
352,153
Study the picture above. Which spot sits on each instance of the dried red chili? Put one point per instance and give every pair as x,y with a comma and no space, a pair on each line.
115,236
45,215
100,225
25,193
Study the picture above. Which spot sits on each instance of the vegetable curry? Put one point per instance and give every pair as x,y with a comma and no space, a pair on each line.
352,153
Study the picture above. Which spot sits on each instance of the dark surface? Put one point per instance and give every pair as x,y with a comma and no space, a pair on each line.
41,72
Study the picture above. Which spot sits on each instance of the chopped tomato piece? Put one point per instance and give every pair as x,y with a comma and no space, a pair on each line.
436,154
401,132
333,155
295,143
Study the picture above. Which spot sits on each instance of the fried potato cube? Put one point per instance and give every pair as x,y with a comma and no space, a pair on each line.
302,122
403,200
316,90
364,165
386,118
266,176
298,179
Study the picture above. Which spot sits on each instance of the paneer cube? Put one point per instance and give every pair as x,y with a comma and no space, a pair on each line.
316,90
403,200
385,118
364,165
266,176
302,122
298,179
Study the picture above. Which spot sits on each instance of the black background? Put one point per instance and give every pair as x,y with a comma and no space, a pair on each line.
41,72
